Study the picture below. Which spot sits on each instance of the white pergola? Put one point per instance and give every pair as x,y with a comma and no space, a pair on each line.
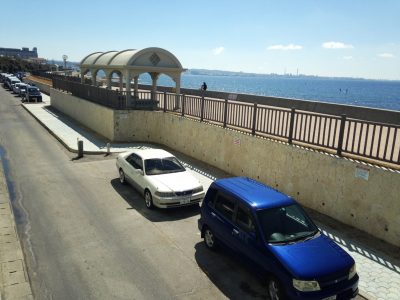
129,64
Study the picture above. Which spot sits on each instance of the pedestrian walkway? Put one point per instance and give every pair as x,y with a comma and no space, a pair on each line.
69,132
378,263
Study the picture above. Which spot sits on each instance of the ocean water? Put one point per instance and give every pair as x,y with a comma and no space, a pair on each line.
370,93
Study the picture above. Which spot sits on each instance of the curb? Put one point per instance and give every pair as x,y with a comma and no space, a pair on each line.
14,278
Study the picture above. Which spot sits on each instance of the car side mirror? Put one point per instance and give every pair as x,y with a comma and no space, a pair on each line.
141,172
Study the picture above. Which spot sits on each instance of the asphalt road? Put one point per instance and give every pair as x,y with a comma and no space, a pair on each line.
85,236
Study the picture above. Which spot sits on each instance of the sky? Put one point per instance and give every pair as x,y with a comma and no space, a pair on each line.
336,38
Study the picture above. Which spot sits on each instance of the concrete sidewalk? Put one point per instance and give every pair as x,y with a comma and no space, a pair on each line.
69,132
378,263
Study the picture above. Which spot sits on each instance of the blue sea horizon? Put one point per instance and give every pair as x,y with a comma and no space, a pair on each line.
382,94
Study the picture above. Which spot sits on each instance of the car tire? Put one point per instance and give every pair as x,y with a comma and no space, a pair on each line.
148,199
209,239
275,291
122,178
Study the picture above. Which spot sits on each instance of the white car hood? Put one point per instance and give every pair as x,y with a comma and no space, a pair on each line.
177,182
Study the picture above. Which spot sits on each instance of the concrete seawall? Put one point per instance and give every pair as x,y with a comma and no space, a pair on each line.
357,194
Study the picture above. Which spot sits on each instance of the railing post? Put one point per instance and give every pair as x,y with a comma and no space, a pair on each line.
291,125
225,112
183,105
202,109
253,129
341,135
165,101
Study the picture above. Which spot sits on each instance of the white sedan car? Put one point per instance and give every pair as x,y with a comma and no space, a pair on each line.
161,178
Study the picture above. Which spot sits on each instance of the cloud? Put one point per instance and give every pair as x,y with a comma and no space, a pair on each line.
347,57
284,48
218,50
336,45
386,55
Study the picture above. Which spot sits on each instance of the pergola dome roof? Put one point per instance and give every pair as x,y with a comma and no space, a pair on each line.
105,58
130,64
91,58
152,57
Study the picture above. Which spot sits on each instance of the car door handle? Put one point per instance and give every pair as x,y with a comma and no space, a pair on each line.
235,231
213,214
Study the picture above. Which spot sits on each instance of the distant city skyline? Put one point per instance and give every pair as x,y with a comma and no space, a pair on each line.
323,38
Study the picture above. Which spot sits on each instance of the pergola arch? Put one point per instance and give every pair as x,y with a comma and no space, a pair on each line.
130,63
109,75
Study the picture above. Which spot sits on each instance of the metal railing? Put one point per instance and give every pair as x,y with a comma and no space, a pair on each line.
105,97
365,139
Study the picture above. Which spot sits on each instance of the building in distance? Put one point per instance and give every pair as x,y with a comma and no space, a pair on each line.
20,53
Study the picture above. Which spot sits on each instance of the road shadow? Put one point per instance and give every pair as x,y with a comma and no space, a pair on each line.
357,241
232,276
136,201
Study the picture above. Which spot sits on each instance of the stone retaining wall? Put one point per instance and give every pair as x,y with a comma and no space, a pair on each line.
357,194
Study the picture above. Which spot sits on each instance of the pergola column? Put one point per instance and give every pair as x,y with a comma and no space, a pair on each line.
128,86
94,74
154,77
177,79
136,86
121,82
108,76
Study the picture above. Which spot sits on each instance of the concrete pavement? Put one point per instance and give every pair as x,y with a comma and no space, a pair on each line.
378,263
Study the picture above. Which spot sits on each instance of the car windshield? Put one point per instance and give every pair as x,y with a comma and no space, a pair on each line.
33,90
286,224
157,166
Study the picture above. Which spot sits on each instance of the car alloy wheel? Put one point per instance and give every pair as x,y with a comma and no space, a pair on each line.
274,290
122,176
148,199
209,239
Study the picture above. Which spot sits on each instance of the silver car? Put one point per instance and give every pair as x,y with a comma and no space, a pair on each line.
17,87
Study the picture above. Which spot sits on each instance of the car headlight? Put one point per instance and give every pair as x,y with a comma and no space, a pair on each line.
164,194
306,285
352,272
198,190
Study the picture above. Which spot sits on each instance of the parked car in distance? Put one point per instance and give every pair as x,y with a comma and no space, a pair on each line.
10,81
32,93
272,232
17,87
22,90
160,177
3,76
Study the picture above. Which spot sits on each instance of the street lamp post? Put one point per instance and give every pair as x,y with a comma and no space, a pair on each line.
65,57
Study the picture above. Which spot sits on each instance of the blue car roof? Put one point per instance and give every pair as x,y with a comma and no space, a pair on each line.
256,194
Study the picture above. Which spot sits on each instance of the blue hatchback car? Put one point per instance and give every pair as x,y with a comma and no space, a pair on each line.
273,232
